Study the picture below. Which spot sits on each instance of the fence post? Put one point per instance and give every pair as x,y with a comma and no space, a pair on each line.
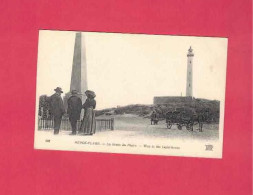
112,124
39,126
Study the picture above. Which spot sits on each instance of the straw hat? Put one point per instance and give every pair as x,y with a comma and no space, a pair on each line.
90,93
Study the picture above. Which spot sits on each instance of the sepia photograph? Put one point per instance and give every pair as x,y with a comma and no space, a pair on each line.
130,93
126,97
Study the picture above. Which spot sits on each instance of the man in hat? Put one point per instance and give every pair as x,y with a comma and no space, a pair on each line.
57,108
74,109
154,118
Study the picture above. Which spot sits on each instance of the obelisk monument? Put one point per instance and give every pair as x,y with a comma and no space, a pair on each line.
79,69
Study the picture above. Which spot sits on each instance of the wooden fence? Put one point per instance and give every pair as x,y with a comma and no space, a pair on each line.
101,124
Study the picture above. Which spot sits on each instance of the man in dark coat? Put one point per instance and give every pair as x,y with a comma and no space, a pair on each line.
57,108
154,118
74,110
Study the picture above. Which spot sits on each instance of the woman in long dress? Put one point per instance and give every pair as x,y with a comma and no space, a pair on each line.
88,125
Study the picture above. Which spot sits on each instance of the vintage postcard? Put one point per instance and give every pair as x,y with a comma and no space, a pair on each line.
131,93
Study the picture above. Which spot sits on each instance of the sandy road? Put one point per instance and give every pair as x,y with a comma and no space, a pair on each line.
135,126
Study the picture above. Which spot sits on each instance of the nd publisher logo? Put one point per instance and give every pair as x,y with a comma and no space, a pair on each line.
209,147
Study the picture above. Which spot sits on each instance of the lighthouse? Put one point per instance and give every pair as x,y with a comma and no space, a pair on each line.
189,85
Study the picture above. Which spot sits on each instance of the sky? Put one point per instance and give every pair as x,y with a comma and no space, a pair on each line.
126,69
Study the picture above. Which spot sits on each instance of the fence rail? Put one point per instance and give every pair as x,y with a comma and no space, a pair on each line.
101,124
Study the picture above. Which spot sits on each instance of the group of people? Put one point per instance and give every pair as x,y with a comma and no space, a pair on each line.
74,111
